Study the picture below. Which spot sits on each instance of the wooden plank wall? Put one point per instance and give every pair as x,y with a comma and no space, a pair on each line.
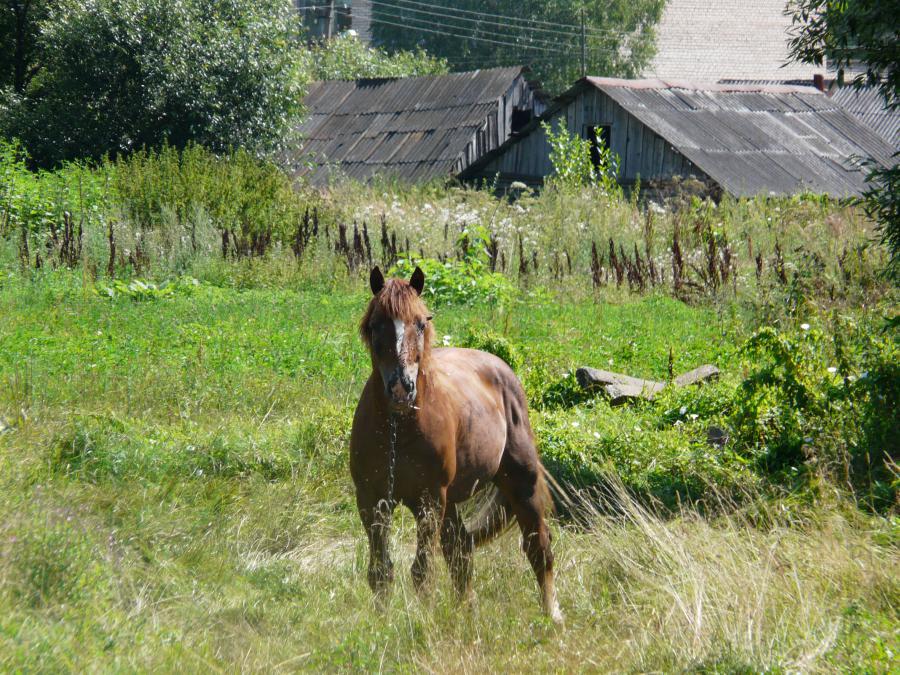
498,125
642,152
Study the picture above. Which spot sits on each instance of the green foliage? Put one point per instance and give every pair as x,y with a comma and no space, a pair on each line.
571,157
574,166
20,59
119,75
498,345
147,290
466,281
822,404
848,35
36,201
237,192
881,201
345,57
546,36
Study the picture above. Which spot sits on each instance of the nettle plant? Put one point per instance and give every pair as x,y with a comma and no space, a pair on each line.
466,280
573,165
815,402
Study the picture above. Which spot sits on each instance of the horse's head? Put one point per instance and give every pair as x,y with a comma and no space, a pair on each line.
397,330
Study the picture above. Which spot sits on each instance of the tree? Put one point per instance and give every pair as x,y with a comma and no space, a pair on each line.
345,57
123,74
19,32
863,36
543,34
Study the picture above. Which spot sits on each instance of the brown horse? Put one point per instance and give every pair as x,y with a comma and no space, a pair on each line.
432,428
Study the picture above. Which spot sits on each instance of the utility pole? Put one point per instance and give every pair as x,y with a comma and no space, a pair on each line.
583,47
329,26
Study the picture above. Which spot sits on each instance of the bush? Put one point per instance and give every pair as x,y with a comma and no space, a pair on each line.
347,58
119,75
497,345
811,405
573,165
464,281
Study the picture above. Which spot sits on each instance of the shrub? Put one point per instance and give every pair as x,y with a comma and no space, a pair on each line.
814,405
464,281
573,164
488,341
347,58
119,75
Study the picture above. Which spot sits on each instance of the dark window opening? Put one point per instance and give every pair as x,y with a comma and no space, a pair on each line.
343,19
520,117
600,134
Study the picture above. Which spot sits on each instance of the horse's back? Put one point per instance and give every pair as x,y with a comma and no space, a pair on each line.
468,364
491,411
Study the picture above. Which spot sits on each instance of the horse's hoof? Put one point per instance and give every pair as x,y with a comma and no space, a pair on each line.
556,616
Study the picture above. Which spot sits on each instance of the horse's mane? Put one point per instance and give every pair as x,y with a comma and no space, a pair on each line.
397,300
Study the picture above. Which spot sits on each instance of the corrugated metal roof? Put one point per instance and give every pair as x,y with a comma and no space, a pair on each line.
866,105
749,138
412,128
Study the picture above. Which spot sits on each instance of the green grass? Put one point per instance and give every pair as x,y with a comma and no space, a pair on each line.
174,492
174,495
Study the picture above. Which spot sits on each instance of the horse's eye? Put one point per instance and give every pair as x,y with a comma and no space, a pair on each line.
420,326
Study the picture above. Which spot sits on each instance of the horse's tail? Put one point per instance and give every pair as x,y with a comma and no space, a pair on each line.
543,490
495,516
492,519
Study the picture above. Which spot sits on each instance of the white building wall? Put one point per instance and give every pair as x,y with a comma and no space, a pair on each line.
710,40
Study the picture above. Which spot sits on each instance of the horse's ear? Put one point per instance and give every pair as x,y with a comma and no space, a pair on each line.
417,280
376,281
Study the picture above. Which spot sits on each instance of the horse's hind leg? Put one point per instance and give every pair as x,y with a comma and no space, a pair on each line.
457,545
521,482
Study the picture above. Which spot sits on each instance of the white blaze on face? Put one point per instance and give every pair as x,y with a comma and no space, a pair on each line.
400,332
410,370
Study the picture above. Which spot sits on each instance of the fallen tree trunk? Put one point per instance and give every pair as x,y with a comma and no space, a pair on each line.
621,388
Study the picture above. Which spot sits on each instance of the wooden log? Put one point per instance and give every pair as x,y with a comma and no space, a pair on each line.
704,373
622,393
621,388
590,378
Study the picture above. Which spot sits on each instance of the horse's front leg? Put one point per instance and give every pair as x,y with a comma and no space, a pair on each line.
429,512
376,518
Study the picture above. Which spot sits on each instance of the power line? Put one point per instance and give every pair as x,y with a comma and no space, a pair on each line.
437,24
507,18
531,43
464,37
551,31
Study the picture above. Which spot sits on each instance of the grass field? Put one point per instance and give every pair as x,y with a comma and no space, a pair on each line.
179,364
174,495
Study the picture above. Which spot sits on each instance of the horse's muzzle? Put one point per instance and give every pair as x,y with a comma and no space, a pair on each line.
401,389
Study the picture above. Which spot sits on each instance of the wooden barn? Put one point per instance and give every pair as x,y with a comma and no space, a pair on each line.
744,140
413,129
